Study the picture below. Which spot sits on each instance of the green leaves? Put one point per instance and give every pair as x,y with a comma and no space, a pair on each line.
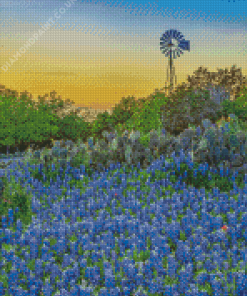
237,107
72,127
104,122
22,123
16,197
147,118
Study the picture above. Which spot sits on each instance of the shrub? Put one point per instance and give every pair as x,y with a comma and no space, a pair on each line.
237,107
73,127
54,104
207,180
104,122
21,124
188,107
149,117
124,110
13,198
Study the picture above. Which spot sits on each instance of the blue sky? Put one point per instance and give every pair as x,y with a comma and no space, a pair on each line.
97,52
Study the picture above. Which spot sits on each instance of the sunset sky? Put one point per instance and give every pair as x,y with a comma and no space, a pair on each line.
97,52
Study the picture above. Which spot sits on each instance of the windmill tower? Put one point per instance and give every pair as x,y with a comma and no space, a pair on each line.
172,42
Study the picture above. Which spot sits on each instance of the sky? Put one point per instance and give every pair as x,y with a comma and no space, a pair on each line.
96,52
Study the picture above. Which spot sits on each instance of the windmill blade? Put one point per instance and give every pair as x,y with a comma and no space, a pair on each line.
175,34
180,51
179,36
164,43
167,54
169,33
166,51
185,45
164,39
170,53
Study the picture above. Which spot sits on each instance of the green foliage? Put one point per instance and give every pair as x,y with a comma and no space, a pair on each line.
124,110
104,122
22,123
149,117
116,122
235,124
48,173
202,181
53,105
144,140
237,107
119,129
187,106
78,160
82,159
14,195
73,127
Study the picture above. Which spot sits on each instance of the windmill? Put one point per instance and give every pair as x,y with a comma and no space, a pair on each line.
172,42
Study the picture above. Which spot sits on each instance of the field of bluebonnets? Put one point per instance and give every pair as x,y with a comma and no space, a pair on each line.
131,204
